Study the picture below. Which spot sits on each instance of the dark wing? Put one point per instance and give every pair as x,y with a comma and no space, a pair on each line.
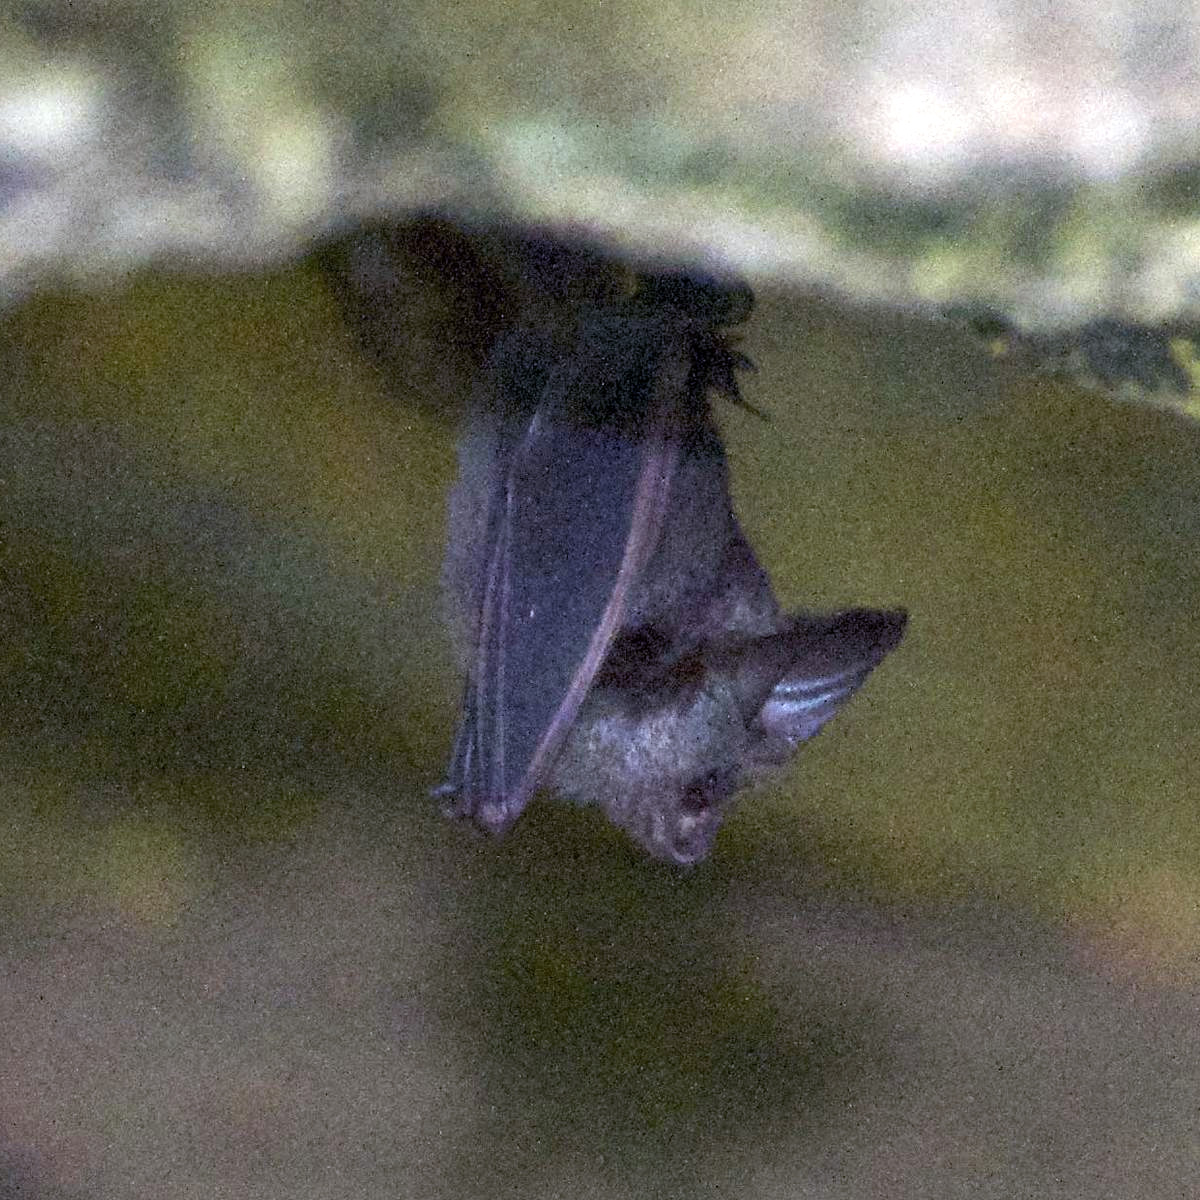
576,517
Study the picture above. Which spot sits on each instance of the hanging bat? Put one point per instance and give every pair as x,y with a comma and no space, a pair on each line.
621,643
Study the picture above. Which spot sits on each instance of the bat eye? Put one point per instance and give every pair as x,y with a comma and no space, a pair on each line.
707,792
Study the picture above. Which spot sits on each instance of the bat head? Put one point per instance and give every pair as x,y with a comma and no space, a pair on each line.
665,759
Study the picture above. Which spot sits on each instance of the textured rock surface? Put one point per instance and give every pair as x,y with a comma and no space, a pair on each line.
1043,162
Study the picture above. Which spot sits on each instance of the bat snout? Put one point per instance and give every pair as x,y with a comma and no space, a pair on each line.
683,833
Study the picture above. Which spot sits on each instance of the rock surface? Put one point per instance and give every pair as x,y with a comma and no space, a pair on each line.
1040,162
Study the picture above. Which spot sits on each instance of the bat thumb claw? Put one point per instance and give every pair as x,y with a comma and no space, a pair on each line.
451,801
494,816
491,816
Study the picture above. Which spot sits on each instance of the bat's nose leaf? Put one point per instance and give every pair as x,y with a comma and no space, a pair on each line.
682,834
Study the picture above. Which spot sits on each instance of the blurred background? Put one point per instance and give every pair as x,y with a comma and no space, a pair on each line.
1037,159
954,949
954,946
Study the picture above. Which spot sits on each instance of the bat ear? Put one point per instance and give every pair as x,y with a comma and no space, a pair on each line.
829,660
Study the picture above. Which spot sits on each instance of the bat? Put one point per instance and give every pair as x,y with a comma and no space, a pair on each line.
620,641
